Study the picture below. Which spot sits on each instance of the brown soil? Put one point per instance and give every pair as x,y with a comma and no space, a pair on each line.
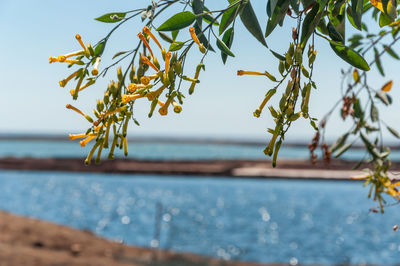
26,241
338,169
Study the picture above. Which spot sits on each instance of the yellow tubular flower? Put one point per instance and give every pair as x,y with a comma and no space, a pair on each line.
143,39
72,61
79,39
79,136
242,72
68,106
177,107
147,61
194,36
65,81
86,141
95,69
164,108
91,82
96,123
145,80
167,59
154,94
62,58
52,59
133,87
196,40
148,32
127,98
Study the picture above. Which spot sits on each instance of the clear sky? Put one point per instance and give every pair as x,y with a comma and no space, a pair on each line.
32,102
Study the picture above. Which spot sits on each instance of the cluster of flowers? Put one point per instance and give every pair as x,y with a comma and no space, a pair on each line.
115,110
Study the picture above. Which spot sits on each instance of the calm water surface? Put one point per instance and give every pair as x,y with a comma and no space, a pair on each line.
310,222
162,150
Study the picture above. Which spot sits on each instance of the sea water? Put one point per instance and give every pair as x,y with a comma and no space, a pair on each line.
281,221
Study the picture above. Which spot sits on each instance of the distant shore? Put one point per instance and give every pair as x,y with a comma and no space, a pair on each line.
290,169
176,140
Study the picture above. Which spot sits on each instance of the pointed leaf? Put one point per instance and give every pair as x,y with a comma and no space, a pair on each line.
250,21
98,50
280,57
165,37
222,46
343,149
208,17
228,40
378,62
198,7
387,87
394,132
391,52
383,97
374,113
271,4
229,16
119,53
311,21
339,143
356,11
277,15
111,17
175,46
178,21
349,55
175,34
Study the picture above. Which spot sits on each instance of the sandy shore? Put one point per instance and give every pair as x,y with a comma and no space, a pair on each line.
291,169
26,241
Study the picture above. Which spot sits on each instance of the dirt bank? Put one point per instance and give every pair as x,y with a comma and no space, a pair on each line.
26,241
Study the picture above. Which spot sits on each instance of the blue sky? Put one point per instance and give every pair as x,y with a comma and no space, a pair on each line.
32,102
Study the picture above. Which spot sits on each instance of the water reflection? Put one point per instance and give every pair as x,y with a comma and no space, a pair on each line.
295,222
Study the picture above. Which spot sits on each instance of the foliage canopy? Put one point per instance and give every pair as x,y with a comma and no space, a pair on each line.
163,84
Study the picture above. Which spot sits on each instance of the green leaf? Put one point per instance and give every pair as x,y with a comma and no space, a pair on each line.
280,57
98,51
250,21
229,16
383,97
374,113
311,21
175,46
198,7
358,112
339,143
391,52
174,34
393,131
228,40
378,62
321,27
343,149
208,17
165,37
349,55
278,14
222,46
271,4
356,11
111,17
384,20
178,21
119,53
334,34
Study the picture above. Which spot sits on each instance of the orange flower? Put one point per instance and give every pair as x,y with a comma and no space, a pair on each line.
141,37
148,32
